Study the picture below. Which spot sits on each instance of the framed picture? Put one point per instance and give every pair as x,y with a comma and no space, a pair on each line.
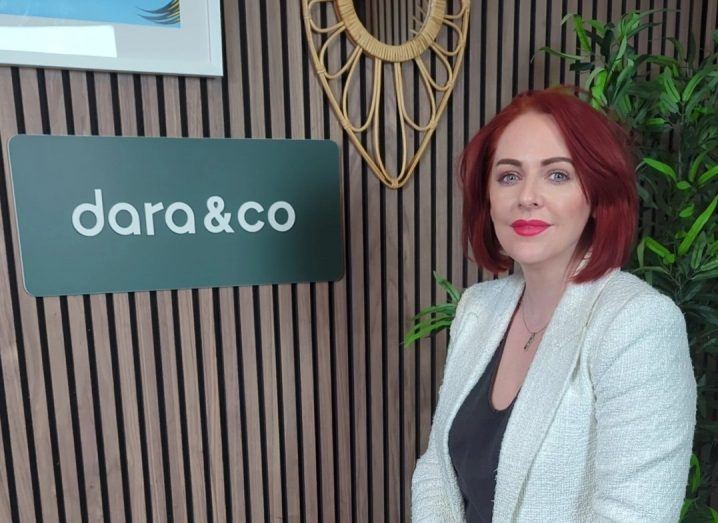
150,36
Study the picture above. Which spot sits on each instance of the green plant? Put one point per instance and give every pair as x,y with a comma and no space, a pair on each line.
670,106
692,510
436,317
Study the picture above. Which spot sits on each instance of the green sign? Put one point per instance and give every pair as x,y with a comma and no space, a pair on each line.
118,214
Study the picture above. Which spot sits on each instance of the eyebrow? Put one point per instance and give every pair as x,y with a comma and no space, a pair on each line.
547,161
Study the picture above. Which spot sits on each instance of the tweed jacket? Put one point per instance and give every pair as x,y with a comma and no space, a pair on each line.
602,427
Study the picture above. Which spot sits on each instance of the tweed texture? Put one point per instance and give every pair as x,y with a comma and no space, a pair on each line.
602,428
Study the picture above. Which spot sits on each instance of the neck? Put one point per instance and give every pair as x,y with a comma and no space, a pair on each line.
544,287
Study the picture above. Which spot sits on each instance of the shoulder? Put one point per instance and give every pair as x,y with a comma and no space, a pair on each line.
633,320
475,297
483,292
628,296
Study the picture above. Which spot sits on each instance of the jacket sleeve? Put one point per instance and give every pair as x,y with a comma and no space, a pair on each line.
645,394
429,500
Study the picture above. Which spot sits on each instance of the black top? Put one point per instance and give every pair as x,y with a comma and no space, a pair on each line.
475,441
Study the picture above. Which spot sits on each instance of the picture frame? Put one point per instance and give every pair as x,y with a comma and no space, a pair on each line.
178,37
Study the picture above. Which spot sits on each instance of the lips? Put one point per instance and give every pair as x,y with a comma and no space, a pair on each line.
529,227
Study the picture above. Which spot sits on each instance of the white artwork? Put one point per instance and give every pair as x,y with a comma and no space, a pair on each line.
154,36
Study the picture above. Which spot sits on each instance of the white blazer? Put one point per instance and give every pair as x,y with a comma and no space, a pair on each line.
602,427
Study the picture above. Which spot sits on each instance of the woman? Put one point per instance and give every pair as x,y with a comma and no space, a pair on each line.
568,390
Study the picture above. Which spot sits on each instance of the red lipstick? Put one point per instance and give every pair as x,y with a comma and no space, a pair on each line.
529,227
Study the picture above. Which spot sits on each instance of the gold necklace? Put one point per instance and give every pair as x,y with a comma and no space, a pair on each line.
523,318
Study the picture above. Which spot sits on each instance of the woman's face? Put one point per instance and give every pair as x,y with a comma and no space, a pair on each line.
537,206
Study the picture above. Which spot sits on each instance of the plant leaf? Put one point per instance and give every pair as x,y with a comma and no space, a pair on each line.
695,165
581,66
698,248
683,185
655,121
598,87
641,27
621,51
591,77
708,275
692,84
678,46
640,252
713,264
665,61
697,226
598,26
688,211
660,250
646,197
560,54
661,167
706,176
425,329
670,86
447,309
581,33
687,504
447,286
696,476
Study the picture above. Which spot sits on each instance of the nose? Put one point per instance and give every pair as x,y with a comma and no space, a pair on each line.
529,195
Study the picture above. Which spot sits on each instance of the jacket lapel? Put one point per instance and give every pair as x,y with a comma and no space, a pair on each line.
479,340
543,386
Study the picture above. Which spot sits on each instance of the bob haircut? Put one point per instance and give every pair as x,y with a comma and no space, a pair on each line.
600,150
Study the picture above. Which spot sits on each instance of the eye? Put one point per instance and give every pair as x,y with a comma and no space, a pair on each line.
558,176
506,178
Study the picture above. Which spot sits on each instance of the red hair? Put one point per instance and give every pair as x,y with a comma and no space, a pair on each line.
601,153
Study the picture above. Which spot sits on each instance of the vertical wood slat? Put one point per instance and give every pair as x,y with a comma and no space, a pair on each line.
281,360
293,401
339,347
331,304
262,300
354,274
150,388
297,64
42,410
96,479
390,302
165,363
5,508
106,343
407,300
230,336
129,345
180,488
60,367
150,406
19,481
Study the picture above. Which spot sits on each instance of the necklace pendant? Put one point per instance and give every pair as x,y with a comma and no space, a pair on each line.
531,338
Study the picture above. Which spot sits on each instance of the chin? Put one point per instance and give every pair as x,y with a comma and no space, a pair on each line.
529,257
528,253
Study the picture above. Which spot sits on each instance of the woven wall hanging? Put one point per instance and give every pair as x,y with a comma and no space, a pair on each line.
432,66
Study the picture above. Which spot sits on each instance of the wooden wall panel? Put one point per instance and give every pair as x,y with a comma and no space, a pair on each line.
279,402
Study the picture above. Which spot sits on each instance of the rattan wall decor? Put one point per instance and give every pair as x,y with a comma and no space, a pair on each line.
437,37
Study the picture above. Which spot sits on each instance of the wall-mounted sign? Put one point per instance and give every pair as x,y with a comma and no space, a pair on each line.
118,214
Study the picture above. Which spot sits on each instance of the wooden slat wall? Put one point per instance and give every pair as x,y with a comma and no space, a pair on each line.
391,21
292,402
